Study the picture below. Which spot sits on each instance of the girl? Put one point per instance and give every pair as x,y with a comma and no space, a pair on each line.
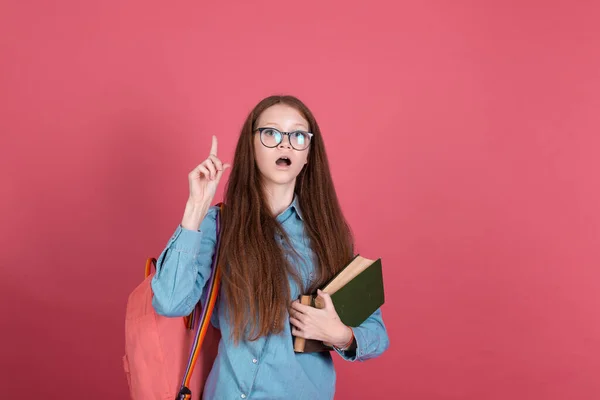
283,234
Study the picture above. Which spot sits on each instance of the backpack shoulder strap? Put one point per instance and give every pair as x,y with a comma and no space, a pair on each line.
204,320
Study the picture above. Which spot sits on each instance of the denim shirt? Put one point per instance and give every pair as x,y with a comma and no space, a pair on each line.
267,368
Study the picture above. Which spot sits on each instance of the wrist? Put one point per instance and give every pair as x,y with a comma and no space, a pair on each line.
344,339
193,215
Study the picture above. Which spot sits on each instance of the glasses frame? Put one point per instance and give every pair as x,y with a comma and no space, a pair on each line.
260,131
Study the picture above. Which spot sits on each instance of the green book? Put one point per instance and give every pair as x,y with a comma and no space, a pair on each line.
356,297
356,292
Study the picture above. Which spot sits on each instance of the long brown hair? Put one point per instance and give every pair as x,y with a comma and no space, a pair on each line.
255,277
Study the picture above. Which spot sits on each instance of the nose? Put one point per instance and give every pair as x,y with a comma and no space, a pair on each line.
285,143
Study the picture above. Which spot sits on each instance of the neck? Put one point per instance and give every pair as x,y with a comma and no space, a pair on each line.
279,197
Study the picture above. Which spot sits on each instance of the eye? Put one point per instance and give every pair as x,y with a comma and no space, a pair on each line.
271,137
299,136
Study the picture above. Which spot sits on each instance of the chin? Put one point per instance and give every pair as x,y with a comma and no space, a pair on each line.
281,178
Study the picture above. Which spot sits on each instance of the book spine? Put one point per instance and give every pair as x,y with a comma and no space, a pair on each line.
299,342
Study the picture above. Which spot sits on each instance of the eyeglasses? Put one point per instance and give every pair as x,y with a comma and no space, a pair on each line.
271,137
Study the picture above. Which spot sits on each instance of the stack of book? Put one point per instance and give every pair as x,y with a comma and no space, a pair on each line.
356,292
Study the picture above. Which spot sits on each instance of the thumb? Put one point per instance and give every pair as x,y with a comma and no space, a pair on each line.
326,298
220,173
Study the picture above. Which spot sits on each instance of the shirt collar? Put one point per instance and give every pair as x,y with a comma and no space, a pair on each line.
296,207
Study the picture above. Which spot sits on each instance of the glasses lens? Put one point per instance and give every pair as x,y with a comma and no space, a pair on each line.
270,137
300,140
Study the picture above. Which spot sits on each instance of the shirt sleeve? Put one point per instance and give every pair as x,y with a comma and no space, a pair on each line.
371,339
184,267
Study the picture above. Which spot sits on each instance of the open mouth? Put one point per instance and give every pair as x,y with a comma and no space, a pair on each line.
283,161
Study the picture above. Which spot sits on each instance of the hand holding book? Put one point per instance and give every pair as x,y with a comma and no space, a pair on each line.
322,324
354,294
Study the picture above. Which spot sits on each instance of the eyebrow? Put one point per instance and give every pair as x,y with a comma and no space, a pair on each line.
279,127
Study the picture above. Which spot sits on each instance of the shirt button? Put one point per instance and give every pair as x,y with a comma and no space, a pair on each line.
243,396
254,360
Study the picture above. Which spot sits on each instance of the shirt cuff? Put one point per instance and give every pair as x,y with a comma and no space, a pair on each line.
354,354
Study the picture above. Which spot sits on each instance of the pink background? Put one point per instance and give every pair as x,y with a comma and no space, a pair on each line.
463,137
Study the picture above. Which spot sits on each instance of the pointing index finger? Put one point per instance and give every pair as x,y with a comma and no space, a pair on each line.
213,148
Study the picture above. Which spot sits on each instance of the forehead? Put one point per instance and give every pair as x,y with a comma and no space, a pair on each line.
282,116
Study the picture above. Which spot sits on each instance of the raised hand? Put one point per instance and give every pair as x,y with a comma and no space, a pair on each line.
204,179
203,182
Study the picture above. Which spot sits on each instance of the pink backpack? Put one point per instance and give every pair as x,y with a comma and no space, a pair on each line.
163,360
